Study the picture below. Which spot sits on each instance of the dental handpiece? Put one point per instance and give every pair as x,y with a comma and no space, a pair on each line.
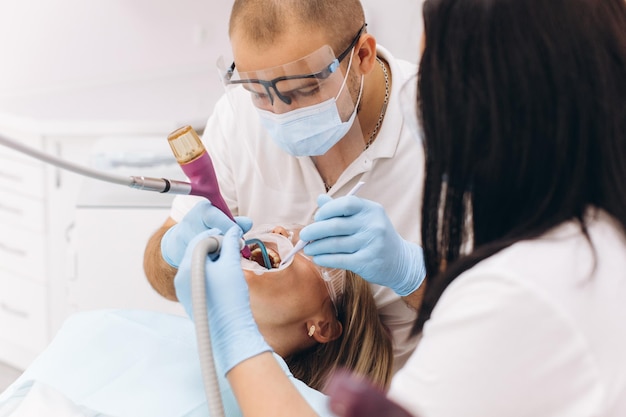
198,166
301,243
161,185
189,152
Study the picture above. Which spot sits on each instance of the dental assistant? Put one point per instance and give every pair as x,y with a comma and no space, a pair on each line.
313,106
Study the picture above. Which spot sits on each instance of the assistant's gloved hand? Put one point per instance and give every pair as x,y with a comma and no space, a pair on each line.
356,234
234,334
200,218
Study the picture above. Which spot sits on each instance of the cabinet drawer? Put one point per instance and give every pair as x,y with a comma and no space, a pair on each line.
22,252
22,177
30,140
18,210
23,312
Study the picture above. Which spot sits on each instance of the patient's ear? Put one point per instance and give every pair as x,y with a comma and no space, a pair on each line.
324,331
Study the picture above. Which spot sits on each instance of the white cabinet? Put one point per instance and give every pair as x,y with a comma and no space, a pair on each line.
108,255
112,226
23,319
38,214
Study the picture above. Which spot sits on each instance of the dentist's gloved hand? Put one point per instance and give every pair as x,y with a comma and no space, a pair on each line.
202,217
234,334
356,234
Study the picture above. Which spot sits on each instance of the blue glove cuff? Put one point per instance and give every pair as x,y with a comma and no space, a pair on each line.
165,252
232,348
412,271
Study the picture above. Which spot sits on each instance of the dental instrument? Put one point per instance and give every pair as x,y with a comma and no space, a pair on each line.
205,247
161,185
201,323
301,244
190,154
266,259
197,165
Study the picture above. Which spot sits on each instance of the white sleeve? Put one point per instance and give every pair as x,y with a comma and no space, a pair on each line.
182,204
221,128
495,347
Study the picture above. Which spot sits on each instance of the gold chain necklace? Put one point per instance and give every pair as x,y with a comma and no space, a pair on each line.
383,110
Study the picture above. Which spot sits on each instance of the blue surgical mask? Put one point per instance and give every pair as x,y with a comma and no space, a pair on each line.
312,130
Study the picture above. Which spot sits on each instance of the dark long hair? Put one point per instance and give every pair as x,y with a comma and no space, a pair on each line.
523,106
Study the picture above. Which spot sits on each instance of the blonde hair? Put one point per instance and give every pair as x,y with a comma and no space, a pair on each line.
364,347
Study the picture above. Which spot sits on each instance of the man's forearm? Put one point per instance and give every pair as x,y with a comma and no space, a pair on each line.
159,273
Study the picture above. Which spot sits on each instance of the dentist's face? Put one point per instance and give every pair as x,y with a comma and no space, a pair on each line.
297,51
291,46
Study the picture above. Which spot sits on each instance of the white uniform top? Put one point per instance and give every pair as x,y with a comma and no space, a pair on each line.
259,180
532,331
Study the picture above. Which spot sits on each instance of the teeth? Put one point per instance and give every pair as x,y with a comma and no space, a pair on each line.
257,256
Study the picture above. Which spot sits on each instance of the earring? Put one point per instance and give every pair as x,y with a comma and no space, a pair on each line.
311,330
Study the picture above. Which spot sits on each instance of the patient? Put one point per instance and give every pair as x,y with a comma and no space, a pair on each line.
133,363
316,324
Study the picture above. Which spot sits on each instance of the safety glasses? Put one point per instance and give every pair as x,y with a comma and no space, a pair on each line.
303,88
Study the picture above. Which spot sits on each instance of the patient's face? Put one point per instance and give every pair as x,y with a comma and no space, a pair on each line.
287,297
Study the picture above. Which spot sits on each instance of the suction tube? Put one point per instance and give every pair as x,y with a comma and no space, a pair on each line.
209,245
198,166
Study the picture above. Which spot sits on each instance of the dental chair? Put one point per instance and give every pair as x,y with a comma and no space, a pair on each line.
351,396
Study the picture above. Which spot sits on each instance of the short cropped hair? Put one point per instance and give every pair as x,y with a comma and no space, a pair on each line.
263,21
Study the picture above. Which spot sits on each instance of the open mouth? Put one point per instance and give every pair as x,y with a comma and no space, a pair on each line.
256,255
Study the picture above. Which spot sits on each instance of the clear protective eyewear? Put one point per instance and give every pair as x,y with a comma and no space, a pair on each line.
305,82
269,247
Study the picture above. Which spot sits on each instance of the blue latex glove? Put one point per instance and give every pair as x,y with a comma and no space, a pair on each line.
356,234
235,336
200,218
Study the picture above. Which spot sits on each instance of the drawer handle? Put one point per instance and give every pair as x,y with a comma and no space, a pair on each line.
11,210
10,177
15,251
13,311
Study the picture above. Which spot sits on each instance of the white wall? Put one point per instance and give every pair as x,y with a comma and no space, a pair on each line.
61,43
396,24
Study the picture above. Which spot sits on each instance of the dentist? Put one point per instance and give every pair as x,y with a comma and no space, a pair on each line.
313,106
